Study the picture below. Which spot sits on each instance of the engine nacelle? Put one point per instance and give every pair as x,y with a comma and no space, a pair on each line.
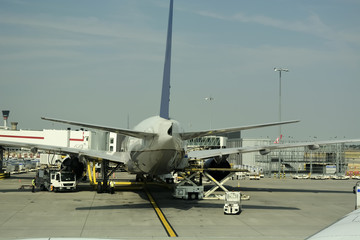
218,175
34,150
264,151
313,146
74,164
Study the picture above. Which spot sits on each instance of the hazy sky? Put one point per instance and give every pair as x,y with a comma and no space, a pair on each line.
102,61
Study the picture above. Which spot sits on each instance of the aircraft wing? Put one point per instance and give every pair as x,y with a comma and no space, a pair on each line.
122,157
346,228
263,149
126,132
191,135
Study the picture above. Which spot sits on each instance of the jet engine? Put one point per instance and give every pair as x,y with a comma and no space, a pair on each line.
214,163
264,151
34,150
74,164
314,146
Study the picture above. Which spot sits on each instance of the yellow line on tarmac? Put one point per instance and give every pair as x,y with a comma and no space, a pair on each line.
169,230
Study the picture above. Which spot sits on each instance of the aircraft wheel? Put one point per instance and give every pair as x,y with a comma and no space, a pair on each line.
192,196
99,188
139,178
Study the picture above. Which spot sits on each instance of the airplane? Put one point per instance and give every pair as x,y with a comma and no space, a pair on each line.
345,228
156,145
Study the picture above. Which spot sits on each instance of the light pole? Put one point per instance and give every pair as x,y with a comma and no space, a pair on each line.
210,99
280,70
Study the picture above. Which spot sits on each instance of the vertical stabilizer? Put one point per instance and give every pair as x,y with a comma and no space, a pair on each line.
165,94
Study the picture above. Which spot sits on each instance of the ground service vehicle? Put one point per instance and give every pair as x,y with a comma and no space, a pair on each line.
232,203
53,179
189,192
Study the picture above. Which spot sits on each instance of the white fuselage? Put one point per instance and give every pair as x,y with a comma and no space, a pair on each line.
156,155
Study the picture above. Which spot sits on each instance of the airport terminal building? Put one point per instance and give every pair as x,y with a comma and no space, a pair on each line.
338,158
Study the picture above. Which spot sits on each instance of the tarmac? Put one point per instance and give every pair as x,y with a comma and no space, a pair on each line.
277,209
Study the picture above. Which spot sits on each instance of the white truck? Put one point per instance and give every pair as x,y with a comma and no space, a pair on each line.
232,203
53,179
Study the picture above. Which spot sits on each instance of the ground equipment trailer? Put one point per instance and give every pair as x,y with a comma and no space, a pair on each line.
189,192
232,203
53,179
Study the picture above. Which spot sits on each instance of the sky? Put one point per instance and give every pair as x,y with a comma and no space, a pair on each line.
101,62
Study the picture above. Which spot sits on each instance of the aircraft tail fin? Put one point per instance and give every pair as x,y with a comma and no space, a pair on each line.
165,94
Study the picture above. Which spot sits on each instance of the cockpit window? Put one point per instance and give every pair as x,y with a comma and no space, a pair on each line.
170,131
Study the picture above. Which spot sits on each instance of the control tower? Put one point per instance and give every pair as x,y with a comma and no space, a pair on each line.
6,116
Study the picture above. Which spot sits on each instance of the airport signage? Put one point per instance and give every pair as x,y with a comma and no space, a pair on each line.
330,169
